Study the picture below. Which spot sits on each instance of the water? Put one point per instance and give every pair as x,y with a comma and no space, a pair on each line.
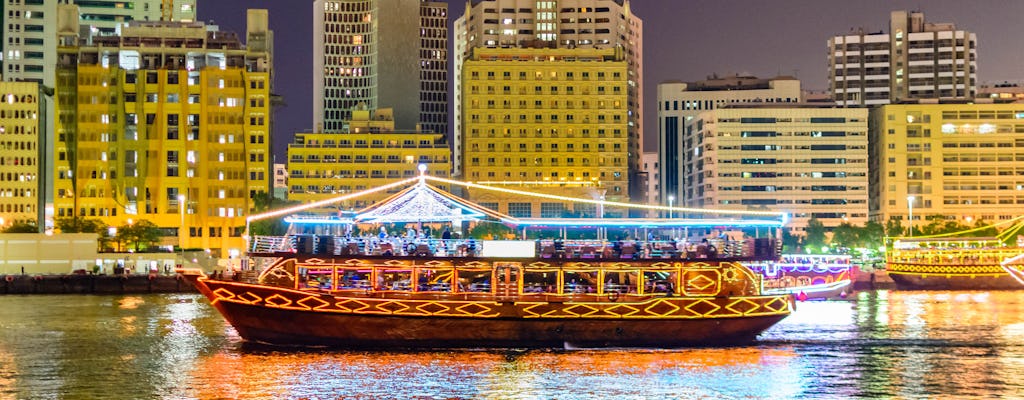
878,344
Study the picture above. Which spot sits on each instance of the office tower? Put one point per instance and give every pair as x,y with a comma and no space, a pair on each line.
21,150
806,160
554,120
914,60
370,154
574,25
679,102
167,122
951,160
380,53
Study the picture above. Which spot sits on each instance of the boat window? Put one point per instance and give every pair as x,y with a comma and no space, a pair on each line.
660,281
394,279
579,282
353,278
475,280
620,281
315,278
434,279
540,281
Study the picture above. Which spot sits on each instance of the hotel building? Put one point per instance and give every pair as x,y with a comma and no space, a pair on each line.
952,160
914,60
551,120
569,26
371,154
167,122
679,102
806,160
380,53
21,152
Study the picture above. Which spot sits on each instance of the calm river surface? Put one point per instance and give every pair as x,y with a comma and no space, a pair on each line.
878,344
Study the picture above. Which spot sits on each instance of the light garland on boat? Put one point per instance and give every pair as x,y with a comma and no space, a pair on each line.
419,204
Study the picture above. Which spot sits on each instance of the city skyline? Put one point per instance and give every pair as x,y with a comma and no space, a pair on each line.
740,48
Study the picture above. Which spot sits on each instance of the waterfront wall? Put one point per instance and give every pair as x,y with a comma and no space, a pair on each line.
37,253
94,284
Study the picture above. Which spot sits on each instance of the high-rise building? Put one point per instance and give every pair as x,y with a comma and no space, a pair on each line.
21,150
28,49
952,160
281,181
167,122
371,154
914,60
380,53
555,120
806,160
679,102
652,170
571,25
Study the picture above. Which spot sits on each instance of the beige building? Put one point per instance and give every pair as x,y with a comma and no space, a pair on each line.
553,120
914,60
569,25
21,150
957,161
679,102
371,154
806,160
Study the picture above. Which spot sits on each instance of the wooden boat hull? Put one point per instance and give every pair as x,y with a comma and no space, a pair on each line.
291,317
906,281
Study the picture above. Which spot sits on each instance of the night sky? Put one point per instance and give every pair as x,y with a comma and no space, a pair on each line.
683,40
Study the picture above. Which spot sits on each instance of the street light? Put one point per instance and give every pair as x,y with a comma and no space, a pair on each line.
910,214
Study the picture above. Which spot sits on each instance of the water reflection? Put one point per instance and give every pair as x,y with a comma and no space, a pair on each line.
877,344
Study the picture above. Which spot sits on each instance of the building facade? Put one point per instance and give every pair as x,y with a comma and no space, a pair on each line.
679,102
569,25
956,161
371,154
21,153
653,173
380,53
168,122
554,120
281,181
806,160
914,60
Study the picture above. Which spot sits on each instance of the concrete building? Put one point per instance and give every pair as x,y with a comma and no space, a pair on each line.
679,102
806,160
914,60
952,160
380,53
281,181
21,153
569,25
168,122
1002,92
554,120
371,154
652,170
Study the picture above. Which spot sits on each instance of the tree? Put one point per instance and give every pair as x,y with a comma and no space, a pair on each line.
28,226
486,229
894,228
814,236
263,202
142,234
80,225
872,235
845,235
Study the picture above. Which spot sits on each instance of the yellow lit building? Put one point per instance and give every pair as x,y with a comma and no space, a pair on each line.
370,154
546,120
962,162
168,122
20,146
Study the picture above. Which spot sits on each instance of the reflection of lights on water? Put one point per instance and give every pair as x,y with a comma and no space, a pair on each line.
130,303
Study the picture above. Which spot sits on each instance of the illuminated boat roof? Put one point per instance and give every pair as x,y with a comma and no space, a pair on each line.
422,202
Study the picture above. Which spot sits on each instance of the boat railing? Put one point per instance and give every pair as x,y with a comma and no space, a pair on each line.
713,248
953,257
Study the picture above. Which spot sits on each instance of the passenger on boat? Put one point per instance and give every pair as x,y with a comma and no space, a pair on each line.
446,235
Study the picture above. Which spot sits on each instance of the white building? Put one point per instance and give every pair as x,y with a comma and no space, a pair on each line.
281,181
680,102
380,53
653,177
567,24
806,160
914,60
